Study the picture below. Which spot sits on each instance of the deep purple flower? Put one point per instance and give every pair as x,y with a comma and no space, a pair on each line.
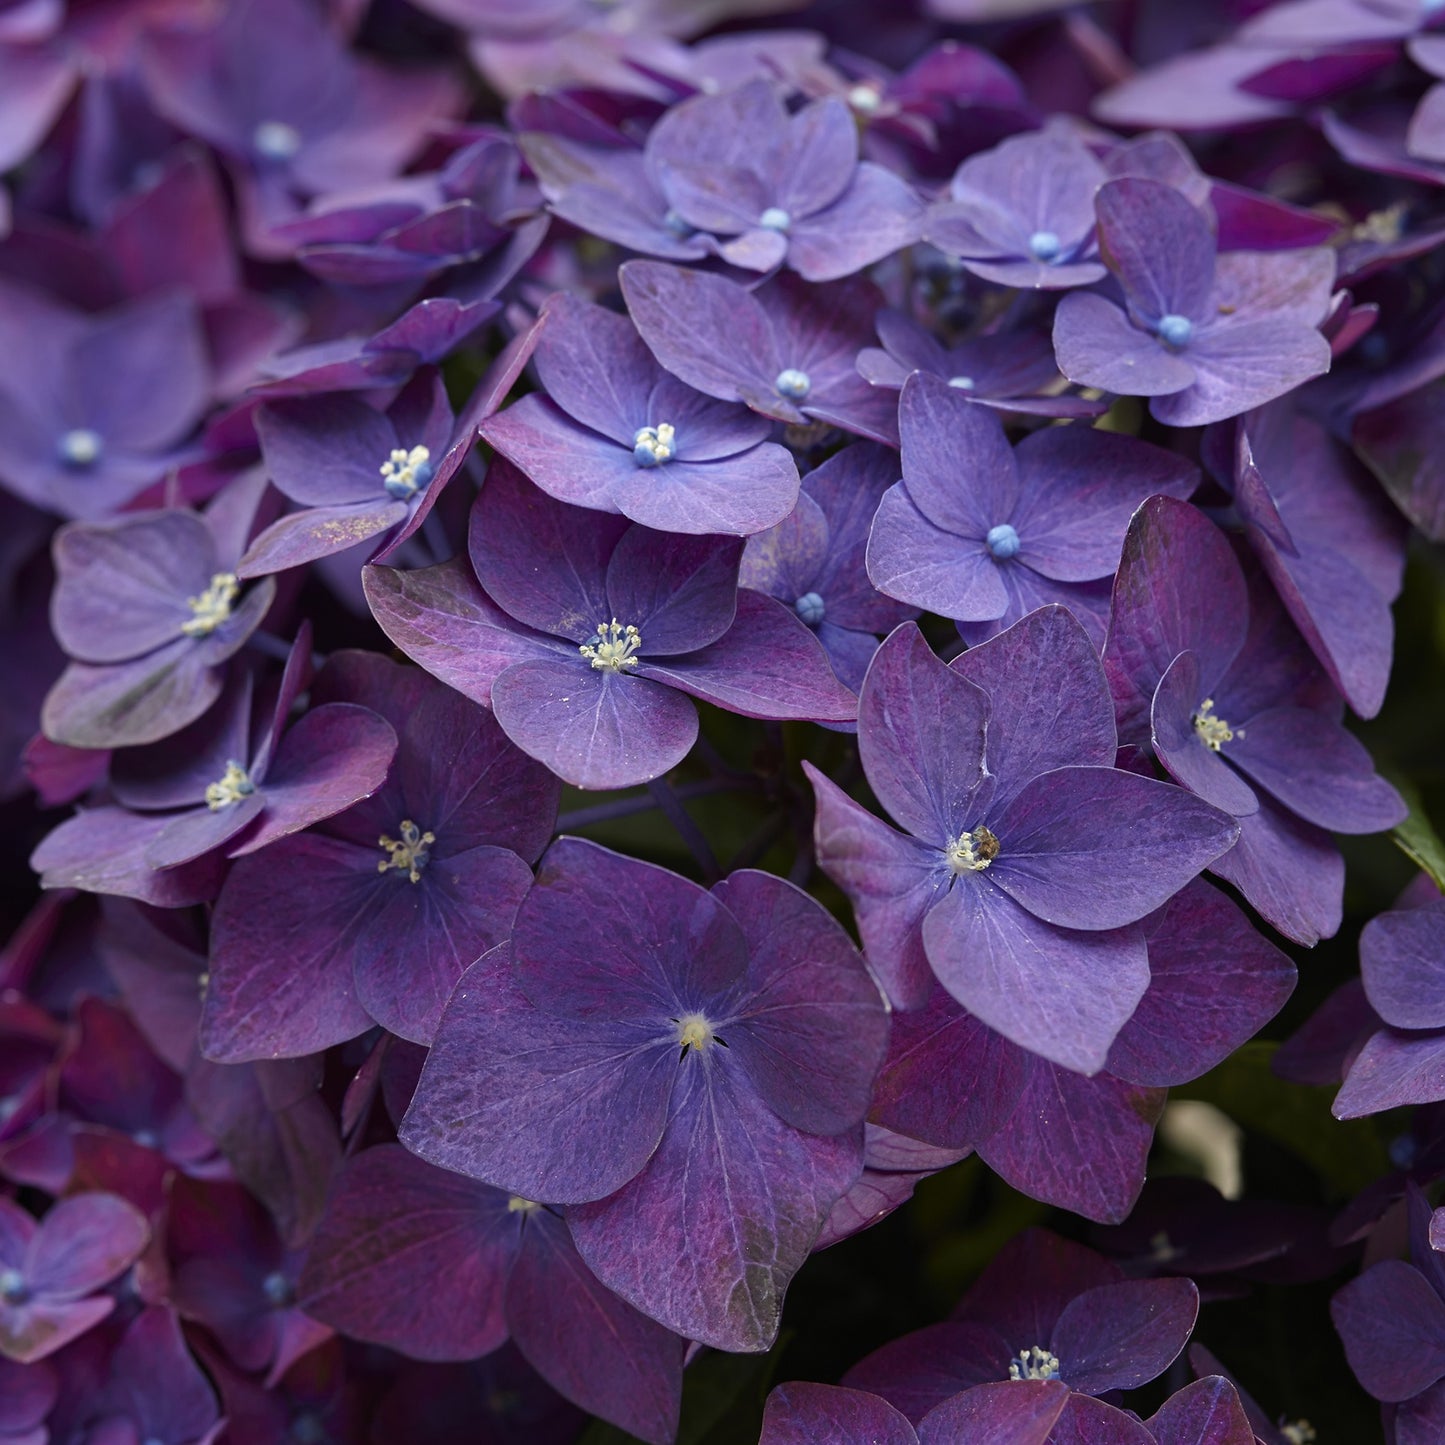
441,1267
130,1410
783,189
622,1053
813,560
1043,1309
50,1271
618,433
149,607
1210,669
27,1395
789,350
93,409
1205,336
984,533
376,913
1030,854
585,630
1022,214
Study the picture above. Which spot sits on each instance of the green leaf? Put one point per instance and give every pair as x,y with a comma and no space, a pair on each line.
1417,839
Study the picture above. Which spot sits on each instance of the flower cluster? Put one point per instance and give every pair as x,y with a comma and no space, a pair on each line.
633,628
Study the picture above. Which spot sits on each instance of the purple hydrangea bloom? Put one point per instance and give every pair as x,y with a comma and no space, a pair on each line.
813,560
50,1271
1210,669
983,533
788,350
1028,854
1204,336
441,1267
1043,1309
783,189
376,913
149,607
93,409
587,634
27,1395
620,1055
1402,1061
618,433
1022,214
357,472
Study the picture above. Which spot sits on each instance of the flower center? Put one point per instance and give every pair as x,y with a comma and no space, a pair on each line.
972,852
404,473
775,218
1175,330
1301,1432
963,383
517,1205
233,785
1002,542
610,648
1034,1364
810,608
694,1032
410,854
654,445
793,383
80,447
12,1287
679,228
278,1290
865,98
1212,731
1045,246
213,606
275,140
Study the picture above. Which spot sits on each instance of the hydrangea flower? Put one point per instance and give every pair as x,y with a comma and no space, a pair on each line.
388,902
612,1061
618,433
781,188
1022,214
1028,854
585,630
983,533
1211,671
1204,336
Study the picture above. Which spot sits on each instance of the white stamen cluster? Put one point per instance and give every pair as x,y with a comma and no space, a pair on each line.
972,852
694,1031
404,473
1034,1364
610,648
1299,1432
213,606
654,445
233,785
517,1205
410,853
1212,731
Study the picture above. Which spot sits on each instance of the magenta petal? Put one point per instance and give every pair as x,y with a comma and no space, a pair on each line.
1058,993
1087,1421
82,1244
1097,345
393,1219
891,879
1099,848
594,729
442,619
1080,1143
712,1263
921,730
588,1344
1208,1412
813,1032
1117,1336
804,1414
1393,1327
766,665
920,1371
1008,1412
549,1110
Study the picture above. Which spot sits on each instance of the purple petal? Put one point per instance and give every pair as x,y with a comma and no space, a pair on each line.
1119,1336
1158,245
594,729
680,592
1181,748
738,495
32,1331
540,1106
83,1243
1086,1421
1060,994
1393,1327
814,1029
920,1371
1208,1412
324,451
302,537
1097,345
1008,1412
712,1264
392,1220
803,1414
877,215
1393,1068
1400,961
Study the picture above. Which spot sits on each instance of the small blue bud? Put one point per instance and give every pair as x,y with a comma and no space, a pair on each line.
1175,330
810,608
1002,542
1045,246
80,447
775,218
963,383
793,383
